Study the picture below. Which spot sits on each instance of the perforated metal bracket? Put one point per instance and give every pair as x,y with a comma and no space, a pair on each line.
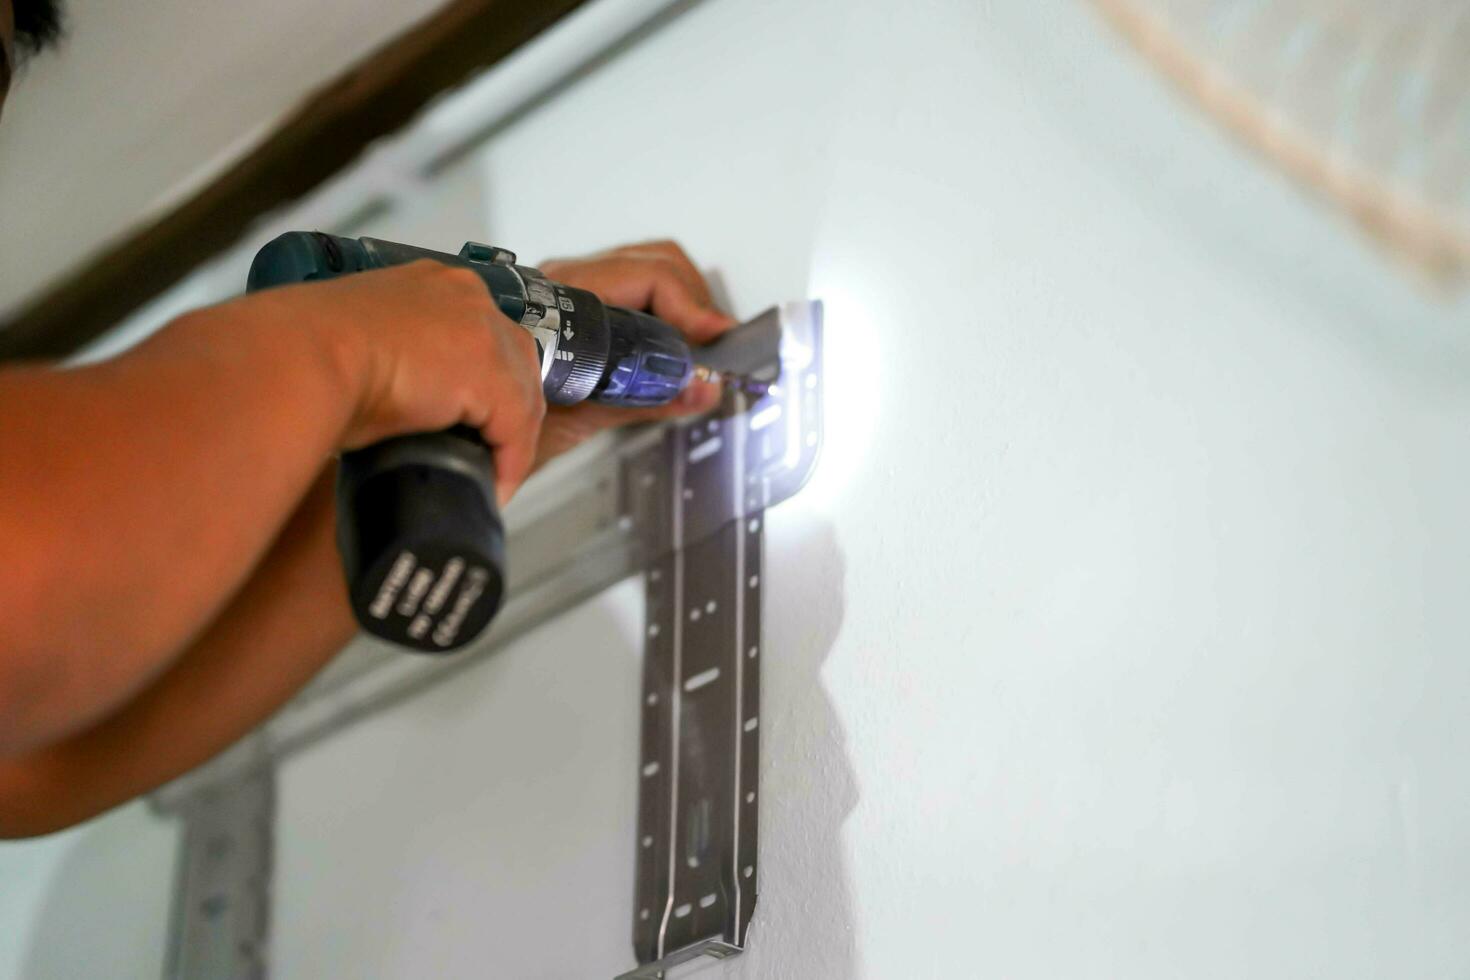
685,503
696,853
220,920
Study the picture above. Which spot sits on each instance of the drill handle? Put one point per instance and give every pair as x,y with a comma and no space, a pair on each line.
418,530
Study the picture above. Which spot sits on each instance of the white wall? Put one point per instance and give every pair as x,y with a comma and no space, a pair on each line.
92,901
1120,631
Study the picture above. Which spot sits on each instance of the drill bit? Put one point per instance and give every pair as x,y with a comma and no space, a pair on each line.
750,386
748,357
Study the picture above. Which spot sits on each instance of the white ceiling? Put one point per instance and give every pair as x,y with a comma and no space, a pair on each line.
144,99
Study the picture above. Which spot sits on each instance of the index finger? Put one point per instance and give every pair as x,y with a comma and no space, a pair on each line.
514,420
671,251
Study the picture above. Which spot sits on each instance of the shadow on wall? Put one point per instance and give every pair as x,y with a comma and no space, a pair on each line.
462,745
804,920
106,912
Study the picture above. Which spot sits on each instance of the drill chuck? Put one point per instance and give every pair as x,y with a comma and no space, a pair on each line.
422,543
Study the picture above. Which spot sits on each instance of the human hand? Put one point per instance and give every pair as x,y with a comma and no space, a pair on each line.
425,348
658,278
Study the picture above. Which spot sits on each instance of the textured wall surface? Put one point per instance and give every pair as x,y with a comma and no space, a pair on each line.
1121,631
92,901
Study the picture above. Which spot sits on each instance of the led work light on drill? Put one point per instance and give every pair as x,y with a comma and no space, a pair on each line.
421,539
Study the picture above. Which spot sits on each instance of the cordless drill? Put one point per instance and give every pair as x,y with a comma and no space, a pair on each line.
422,543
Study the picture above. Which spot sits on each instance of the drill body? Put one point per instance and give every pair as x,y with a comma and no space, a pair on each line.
422,543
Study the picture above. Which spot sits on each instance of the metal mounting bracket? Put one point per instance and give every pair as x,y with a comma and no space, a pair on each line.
220,920
684,502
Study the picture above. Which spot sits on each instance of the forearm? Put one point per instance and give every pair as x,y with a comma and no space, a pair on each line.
283,626
139,494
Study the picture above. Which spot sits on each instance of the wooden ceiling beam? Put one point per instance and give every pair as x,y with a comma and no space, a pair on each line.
379,95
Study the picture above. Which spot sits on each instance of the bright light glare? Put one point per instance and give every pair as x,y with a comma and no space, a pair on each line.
850,381
765,416
796,352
